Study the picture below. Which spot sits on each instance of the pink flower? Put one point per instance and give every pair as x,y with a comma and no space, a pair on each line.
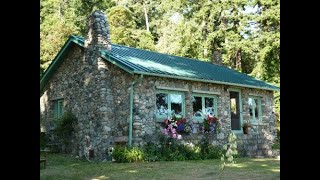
165,131
174,135
173,130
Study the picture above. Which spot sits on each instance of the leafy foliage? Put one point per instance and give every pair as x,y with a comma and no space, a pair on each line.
123,154
209,151
43,140
231,152
65,128
170,149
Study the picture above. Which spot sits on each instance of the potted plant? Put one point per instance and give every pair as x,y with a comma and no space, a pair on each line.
245,128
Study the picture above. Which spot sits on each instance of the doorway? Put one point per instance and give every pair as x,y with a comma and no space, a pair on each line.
235,110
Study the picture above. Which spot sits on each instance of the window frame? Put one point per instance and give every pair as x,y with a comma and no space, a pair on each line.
161,118
58,108
203,96
253,119
240,131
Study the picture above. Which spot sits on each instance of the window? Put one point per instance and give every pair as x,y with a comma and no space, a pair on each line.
169,103
204,105
58,108
255,109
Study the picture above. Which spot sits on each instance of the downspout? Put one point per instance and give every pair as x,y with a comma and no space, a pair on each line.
131,107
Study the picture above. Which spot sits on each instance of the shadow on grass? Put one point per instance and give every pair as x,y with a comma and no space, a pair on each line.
265,166
68,167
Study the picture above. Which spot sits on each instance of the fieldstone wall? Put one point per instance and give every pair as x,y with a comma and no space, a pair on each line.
95,91
261,136
64,84
257,143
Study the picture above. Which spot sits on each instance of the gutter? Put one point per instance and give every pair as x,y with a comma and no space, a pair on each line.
134,82
208,81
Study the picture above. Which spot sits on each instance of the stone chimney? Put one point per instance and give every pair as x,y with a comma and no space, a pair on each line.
216,57
98,34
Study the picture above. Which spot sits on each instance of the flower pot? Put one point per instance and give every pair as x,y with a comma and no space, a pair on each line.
245,130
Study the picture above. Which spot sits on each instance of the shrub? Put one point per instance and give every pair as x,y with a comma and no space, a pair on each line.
134,154
192,152
123,154
213,152
65,128
276,145
151,151
209,151
119,153
168,149
43,140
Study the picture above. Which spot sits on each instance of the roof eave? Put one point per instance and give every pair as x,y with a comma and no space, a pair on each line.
113,60
57,60
205,80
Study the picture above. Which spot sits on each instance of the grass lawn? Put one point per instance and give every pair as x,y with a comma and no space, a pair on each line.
60,166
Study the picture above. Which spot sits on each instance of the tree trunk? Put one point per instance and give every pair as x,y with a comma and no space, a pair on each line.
146,16
238,60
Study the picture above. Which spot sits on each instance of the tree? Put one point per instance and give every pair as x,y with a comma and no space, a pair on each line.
123,29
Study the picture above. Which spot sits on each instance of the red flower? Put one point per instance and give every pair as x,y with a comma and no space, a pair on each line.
178,123
211,119
184,120
166,121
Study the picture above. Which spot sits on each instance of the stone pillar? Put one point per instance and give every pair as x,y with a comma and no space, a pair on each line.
96,123
98,33
216,57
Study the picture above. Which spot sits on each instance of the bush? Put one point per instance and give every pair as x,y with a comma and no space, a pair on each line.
64,128
119,153
276,145
213,152
151,151
123,154
168,149
134,154
192,152
43,140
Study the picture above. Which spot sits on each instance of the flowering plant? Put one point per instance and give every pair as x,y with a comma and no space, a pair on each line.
211,124
176,125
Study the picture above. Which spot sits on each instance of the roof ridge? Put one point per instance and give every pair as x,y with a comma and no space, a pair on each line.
192,59
169,58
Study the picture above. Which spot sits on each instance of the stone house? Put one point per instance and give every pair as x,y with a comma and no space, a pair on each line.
121,94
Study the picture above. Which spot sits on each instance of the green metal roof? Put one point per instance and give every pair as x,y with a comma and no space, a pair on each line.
138,61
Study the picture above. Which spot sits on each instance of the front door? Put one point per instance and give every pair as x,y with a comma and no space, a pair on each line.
235,110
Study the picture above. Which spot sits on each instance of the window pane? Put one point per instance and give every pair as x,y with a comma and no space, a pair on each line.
162,104
60,106
176,103
209,109
251,102
197,106
235,110
55,109
256,113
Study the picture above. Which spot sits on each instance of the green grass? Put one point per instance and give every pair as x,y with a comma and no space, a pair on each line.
61,166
